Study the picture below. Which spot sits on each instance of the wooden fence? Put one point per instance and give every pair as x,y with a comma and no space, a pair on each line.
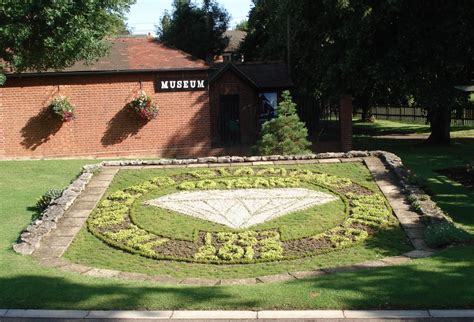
417,115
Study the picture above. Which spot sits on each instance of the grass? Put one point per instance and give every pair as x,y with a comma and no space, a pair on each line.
386,127
88,250
442,281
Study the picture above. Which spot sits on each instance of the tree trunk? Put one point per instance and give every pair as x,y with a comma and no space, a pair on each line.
440,124
364,104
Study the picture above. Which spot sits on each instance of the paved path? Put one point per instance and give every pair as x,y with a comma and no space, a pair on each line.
313,315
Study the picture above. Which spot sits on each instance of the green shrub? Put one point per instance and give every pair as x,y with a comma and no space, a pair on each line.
285,134
45,200
442,234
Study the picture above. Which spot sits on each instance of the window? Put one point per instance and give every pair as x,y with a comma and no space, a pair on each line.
268,106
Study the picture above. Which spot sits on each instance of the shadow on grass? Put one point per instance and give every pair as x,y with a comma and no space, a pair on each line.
441,282
35,292
444,281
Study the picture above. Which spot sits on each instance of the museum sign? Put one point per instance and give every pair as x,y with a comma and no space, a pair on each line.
179,85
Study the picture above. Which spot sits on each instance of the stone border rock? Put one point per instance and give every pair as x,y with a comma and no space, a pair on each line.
50,253
30,238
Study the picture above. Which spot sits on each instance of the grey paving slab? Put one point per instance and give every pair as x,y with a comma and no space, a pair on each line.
2,312
95,191
152,315
58,241
386,314
213,315
165,280
341,269
104,177
307,274
220,165
288,162
72,222
262,163
238,281
131,167
419,244
241,164
419,254
197,165
312,161
370,264
98,184
46,251
309,314
134,276
396,260
67,231
78,213
351,160
53,262
452,313
275,278
75,268
85,205
48,314
200,281
88,197
100,272
329,161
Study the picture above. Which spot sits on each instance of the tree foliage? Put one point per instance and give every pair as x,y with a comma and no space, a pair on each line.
378,51
42,34
242,25
285,134
197,30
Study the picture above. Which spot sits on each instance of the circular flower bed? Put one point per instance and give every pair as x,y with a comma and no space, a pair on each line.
367,212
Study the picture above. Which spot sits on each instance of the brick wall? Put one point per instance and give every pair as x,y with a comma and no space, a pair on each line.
229,84
103,127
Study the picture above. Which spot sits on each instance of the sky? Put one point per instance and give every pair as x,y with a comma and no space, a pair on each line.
145,14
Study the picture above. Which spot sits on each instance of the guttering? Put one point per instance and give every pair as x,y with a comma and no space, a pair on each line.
107,72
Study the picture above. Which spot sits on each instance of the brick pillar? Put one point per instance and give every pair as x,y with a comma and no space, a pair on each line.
345,119
2,126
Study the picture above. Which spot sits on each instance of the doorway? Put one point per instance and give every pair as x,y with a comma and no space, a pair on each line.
229,127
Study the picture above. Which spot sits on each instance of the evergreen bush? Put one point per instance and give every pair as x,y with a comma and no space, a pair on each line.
285,134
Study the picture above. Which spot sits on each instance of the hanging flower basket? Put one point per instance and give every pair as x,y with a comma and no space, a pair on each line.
144,107
61,106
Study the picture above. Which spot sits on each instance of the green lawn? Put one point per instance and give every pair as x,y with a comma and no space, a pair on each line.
443,281
385,127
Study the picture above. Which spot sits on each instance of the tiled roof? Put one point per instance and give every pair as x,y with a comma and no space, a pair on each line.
138,53
235,38
260,74
267,75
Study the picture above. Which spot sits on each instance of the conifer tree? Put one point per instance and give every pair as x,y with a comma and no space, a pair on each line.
285,134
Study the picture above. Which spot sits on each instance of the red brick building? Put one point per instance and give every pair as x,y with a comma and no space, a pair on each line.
201,107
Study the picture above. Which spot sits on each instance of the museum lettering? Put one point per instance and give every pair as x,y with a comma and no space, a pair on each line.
181,85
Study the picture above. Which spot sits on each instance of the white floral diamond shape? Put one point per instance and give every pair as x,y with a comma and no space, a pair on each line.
241,208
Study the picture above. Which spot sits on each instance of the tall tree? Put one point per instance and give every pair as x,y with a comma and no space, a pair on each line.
44,34
376,50
242,25
195,29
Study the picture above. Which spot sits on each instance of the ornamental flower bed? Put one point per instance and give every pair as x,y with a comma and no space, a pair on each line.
144,107
366,212
62,107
